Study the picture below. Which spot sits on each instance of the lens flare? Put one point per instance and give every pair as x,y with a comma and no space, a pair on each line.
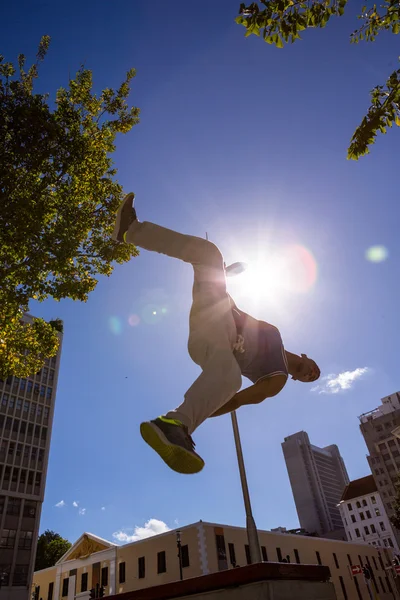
289,270
115,325
377,254
133,320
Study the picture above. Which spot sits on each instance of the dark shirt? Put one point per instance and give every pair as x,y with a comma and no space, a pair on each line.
259,350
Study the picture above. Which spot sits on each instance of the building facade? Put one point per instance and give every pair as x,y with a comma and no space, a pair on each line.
318,477
205,548
378,428
364,515
26,417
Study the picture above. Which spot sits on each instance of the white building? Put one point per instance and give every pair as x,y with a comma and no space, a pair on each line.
364,516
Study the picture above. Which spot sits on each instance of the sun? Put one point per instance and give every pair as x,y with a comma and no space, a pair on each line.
284,271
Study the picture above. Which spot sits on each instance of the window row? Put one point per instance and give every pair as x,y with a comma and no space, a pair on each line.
8,538
22,428
372,527
14,507
358,503
28,387
19,477
20,451
27,407
20,577
367,515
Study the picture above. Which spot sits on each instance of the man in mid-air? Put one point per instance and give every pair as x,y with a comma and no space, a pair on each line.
224,341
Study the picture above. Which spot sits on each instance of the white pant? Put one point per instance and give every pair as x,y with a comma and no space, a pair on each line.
212,330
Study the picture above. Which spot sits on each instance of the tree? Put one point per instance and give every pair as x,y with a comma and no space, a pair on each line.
50,548
281,21
58,198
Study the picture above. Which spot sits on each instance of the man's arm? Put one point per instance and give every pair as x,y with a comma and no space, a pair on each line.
300,368
266,388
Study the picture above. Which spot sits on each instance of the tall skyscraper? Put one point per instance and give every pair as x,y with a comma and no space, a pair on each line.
318,477
26,417
378,428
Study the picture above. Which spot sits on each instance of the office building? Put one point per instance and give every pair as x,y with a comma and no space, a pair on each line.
205,548
378,428
318,477
26,416
364,515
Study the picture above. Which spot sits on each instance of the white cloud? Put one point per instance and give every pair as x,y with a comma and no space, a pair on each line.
82,511
75,504
334,384
150,528
176,521
103,508
60,504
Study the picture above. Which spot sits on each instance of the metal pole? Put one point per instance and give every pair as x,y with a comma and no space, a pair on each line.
179,545
252,534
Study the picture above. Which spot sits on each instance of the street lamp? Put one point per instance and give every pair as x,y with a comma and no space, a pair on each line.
179,546
252,534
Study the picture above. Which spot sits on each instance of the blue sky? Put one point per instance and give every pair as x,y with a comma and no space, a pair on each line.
248,143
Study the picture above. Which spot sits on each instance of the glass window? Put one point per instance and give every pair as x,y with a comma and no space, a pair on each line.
7,539
377,512
357,533
25,540
185,556
364,502
65,587
232,554
247,552
366,530
265,555
122,573
349,506
84,582
141,567
19,404
29,507
353,518
104,576
21,575
358,504
22,385
161,562
13,506
336,560
51,590
342,585
382,526
362,516
390,542
373,528
373,499
367,514
318,557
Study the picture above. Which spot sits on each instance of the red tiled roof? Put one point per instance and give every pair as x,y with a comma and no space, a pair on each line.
359,487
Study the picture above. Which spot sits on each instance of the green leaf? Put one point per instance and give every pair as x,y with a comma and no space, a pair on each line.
397,120
62,195
279,43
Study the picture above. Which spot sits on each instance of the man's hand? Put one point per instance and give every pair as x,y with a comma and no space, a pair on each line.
302,368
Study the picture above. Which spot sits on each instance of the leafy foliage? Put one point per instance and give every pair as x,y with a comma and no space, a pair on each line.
50,548
58,198
281,21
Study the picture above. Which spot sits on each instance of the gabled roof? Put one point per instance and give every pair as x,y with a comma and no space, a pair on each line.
359,487
87,544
